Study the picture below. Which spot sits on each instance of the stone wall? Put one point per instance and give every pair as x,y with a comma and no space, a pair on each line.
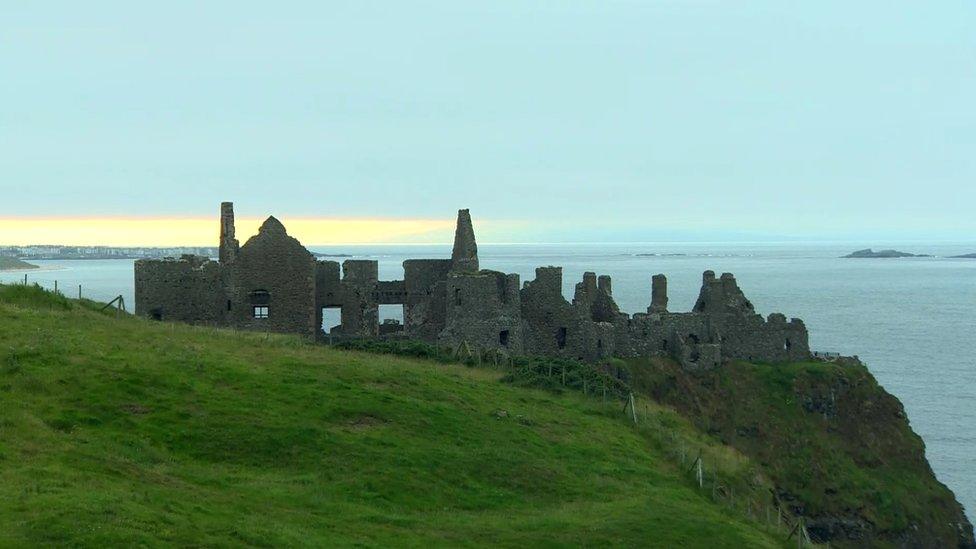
274,270
450,301
483,310
360,311
188,289
765,340
328,291
425,308
551,325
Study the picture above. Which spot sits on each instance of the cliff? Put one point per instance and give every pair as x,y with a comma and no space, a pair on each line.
838,448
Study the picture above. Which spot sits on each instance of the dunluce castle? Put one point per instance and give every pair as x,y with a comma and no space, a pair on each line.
272,283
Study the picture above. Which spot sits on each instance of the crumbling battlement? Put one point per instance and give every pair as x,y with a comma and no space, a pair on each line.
273,283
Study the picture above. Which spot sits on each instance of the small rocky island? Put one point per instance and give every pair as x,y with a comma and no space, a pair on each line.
880,254
964,256
14,264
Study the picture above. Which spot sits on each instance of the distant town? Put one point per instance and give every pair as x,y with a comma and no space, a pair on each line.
55,251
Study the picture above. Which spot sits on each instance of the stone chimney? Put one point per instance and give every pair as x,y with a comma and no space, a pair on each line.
228,244
659,294
464,258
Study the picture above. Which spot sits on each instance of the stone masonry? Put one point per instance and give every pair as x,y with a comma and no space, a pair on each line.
273,283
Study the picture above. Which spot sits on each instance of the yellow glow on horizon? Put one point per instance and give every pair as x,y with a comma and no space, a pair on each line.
174,231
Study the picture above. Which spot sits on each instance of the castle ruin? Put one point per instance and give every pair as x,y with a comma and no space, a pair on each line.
273,283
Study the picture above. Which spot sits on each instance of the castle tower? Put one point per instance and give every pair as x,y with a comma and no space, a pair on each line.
659,294
464,258
228,243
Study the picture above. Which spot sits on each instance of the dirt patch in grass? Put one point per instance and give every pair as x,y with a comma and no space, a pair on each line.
363,422
136,409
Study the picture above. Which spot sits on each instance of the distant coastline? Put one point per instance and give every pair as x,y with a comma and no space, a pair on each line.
60,252
869,253
14,264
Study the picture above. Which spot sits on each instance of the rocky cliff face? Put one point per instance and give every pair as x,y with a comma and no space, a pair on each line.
838,447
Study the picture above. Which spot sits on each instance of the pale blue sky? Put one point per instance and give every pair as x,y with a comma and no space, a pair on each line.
590,120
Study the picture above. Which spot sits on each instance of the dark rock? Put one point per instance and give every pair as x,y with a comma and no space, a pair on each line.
881,254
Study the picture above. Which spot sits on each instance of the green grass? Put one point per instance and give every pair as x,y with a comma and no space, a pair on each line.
115,431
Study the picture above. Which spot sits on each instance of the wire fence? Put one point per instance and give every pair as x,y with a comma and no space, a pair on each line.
759,504
64,287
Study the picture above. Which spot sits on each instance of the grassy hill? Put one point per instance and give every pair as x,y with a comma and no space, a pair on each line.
14,264
121,432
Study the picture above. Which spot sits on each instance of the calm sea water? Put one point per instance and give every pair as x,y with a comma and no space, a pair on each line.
911,320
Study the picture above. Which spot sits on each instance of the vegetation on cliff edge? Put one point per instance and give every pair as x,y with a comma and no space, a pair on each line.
838,447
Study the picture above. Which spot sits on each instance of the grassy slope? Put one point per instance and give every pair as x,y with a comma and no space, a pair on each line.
115,431
838,447
11,263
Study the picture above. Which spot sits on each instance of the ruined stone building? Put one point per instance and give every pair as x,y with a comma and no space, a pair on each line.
272,283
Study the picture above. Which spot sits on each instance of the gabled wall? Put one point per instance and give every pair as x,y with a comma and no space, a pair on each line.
278,264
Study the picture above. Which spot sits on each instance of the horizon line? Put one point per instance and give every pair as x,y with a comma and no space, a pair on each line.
522,243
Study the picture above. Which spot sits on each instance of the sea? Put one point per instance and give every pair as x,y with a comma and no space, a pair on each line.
911,320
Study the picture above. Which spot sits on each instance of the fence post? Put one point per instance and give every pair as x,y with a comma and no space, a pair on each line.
804,536
633,409
79,292
55,286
